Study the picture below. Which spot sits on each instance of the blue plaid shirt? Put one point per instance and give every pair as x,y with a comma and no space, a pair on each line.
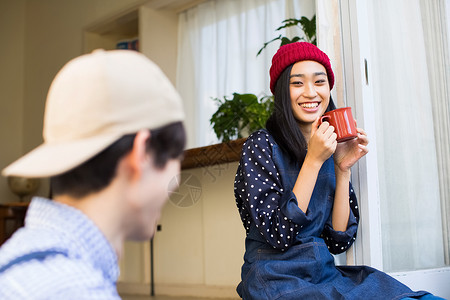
59,254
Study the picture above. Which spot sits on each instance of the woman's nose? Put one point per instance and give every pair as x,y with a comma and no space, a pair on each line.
310,90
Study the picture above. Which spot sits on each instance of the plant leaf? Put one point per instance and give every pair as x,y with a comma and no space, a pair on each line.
288,23
308,26
285,41
242,111
267,43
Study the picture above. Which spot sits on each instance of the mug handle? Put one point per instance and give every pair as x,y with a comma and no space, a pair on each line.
322,118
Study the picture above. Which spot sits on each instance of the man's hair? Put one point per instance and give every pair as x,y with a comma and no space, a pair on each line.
282,124
165,143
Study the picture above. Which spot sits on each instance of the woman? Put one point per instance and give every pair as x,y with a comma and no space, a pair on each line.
294,194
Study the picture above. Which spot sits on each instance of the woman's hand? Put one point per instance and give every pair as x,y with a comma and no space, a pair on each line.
322,143
349,152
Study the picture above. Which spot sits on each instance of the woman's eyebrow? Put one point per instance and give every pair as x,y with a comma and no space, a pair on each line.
302,75
296,75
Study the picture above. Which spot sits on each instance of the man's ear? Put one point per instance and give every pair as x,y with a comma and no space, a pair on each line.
138,157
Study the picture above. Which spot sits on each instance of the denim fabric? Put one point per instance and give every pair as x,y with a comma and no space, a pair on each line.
301,267
426,297
307,271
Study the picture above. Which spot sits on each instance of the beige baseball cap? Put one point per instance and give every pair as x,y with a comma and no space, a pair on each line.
94,100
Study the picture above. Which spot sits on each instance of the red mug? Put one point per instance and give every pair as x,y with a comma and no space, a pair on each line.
342,121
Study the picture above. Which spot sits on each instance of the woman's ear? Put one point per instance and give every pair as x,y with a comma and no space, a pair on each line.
138,157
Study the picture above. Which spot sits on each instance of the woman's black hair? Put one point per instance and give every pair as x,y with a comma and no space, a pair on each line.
282,123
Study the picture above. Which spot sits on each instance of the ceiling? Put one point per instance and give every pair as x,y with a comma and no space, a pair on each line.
173,5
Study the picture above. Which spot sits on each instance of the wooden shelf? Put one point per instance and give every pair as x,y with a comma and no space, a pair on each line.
12,216
212,155
107,33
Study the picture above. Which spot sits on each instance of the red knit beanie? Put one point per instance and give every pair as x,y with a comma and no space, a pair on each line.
295,52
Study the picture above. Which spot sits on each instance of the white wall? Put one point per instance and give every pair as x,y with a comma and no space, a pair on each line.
202,244
12,37
158,31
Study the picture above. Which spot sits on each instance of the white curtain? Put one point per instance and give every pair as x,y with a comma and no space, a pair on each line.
217,47
436,22
329,40
411,215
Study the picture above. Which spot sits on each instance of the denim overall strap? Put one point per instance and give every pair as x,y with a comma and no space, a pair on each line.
41,255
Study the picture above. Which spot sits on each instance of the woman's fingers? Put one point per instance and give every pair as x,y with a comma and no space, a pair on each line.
333,136
364,149
323,141
315,126
362,136
328,130
361,131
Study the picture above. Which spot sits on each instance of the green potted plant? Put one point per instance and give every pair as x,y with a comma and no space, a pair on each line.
244,113
240,115
308,26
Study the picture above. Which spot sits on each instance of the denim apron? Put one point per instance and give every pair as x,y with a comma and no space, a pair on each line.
306,270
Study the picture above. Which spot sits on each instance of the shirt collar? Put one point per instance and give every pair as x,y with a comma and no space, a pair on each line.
84,239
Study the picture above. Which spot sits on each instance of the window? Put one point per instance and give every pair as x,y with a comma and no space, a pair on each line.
396,64
411,108
218,43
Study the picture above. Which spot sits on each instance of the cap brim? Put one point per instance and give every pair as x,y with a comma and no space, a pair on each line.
54,159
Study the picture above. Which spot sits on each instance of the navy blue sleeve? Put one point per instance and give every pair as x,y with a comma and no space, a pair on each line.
260,196
340,241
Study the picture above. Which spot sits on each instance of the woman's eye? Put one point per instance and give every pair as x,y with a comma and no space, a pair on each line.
296,82
321,81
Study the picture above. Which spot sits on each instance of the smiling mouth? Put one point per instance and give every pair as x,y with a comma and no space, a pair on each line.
309,104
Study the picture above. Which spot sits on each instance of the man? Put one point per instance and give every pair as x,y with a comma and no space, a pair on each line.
113,139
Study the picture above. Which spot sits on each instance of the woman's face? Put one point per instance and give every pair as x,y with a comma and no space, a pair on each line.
309,90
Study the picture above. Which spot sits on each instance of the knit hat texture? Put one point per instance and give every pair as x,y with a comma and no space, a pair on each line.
295,52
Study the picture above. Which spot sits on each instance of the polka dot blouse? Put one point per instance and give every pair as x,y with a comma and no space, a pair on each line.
259,189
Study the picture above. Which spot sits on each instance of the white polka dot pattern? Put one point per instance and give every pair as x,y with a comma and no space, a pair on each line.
258,189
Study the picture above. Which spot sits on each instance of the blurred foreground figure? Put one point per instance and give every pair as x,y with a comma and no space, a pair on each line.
113,138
